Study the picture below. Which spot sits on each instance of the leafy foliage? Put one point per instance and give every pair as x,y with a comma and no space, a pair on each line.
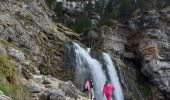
9,79
81,24
57,7
120,10
16,92
6,69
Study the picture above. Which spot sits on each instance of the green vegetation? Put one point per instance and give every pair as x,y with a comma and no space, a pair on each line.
120,10
43,69
16,92
143,84
7,44
9,79
6,69
57,7
81,24
50,2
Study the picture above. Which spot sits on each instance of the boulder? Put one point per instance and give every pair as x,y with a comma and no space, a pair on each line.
3,50
168,17
52,94
4,97
16,54
47,80
37,78
69,89
35,87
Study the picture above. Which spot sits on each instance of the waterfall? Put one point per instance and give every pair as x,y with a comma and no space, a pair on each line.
87,65
87,68
88,50
113,76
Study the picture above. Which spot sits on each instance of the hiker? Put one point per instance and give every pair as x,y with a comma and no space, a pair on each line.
108,89
88,87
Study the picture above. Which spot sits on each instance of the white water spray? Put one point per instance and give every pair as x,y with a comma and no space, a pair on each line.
85,64
113,76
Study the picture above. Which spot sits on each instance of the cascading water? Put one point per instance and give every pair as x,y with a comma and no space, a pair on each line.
88,50
86,64
87,68
113,76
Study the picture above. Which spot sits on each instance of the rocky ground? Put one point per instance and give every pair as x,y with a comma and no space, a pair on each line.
49,88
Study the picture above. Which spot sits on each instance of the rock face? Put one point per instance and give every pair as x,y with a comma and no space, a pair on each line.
144,44
113,39
153,43
145,41
27,34
72,10
35,44
18,55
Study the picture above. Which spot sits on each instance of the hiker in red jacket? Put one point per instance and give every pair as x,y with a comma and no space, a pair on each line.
107,90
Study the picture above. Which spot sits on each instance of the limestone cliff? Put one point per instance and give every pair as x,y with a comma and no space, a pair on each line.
151,36
142,45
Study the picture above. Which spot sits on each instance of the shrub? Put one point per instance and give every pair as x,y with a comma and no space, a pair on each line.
9,79
16,92
6,69
81,24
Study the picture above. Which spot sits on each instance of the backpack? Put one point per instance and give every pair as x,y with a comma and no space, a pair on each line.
85,90
91,84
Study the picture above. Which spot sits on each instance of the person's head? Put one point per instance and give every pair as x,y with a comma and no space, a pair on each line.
106,82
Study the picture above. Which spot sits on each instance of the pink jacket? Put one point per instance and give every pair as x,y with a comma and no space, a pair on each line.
108,89
87,85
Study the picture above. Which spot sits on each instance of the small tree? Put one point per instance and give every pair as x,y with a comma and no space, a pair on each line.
81,24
